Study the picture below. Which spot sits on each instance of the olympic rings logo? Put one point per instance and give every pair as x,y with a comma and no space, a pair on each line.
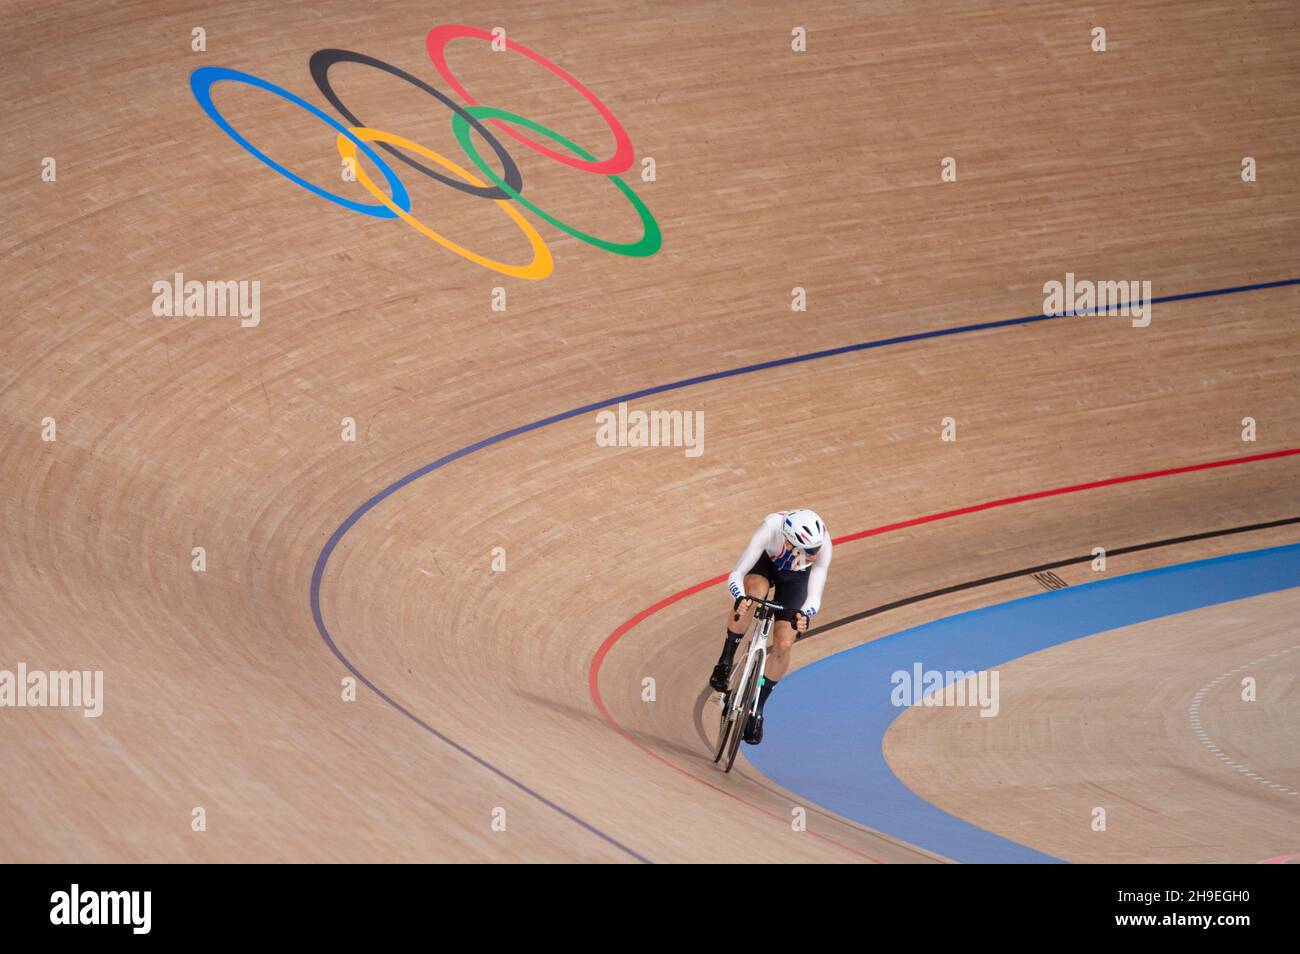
505,188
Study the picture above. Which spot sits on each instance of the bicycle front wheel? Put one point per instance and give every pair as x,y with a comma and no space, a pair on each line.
748,696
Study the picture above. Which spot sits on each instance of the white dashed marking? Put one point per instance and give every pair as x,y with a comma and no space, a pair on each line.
1194,718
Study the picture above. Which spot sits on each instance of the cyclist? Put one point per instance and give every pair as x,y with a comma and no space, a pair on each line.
790,550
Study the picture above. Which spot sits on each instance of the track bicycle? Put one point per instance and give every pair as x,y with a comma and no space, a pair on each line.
740,701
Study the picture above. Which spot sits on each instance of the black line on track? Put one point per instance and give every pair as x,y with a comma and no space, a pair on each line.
1027,571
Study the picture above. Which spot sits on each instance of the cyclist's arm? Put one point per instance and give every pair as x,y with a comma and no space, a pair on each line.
757,543
817,581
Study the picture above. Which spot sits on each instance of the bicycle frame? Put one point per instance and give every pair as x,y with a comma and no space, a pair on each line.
757,656
740,701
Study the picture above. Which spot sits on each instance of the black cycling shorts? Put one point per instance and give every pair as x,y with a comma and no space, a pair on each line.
791,586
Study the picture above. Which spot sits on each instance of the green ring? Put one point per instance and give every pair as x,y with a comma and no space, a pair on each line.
651,239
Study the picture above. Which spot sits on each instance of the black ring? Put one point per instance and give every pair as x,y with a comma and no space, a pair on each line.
322,60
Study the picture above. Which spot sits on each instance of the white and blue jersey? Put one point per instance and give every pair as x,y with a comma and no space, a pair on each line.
768,539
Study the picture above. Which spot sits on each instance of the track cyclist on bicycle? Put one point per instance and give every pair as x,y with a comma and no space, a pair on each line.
791,550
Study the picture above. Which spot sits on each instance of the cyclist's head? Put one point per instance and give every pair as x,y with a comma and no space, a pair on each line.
804,530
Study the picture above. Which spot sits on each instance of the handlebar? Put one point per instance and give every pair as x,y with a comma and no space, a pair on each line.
763,608
766,608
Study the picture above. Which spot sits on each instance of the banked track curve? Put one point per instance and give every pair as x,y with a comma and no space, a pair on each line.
322,560
603,651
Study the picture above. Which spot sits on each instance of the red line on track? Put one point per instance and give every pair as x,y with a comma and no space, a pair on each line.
593,672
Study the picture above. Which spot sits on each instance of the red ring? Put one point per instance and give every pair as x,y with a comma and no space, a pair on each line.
621,161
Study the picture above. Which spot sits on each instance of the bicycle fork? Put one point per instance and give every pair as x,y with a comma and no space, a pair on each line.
756,657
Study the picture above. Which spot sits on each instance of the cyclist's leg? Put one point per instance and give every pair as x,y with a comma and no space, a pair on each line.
778,661
739,618
791,592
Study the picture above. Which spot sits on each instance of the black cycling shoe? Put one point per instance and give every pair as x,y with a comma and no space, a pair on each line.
754,730
720,677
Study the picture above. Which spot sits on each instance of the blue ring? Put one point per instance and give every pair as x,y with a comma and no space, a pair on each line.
201,81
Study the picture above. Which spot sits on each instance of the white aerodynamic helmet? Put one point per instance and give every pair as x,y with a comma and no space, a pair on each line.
804,529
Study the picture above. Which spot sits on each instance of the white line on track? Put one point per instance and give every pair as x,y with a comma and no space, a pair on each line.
1194,717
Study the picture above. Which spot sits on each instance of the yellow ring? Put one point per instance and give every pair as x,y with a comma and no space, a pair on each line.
542,264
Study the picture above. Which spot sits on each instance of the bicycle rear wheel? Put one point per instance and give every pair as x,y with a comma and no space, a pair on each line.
725,725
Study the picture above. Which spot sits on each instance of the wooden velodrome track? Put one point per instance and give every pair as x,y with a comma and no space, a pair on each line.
501,689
